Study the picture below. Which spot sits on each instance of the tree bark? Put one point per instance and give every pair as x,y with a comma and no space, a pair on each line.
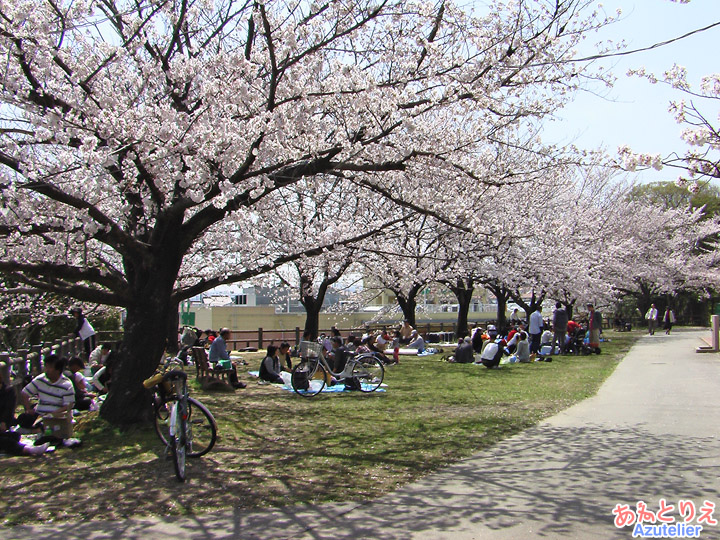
312,316
139,355
535,303
151,281
408,302
569,308
502,295
463,291
173,344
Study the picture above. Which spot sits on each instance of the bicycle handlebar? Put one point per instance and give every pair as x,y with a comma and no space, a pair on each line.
174,375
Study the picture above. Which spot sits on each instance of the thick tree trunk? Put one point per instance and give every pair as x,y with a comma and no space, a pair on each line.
501,295
408,306
569,308
312,317
463,291
501,312
138,357
173,344
153,309
312,302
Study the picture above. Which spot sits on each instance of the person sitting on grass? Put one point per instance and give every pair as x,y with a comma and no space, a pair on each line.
10,440
352,343
416,341
523,348
464,352
369,344
406,332
512,340
492,354
338,357
270,367
99,356
102,378
477,339
83,398
284,355
53,390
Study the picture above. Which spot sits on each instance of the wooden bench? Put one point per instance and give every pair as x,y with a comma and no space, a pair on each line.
203,367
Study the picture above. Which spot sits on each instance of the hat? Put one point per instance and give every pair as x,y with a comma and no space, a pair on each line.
491,327
467,339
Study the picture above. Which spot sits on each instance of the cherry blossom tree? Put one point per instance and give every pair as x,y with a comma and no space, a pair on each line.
131,131
663,251
317,212
405,261
697,111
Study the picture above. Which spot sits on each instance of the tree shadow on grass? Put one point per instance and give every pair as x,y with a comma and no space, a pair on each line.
556,481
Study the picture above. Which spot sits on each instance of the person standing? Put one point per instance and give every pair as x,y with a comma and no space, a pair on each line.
668,320
560,322
652,316
594,325
535,329
84,330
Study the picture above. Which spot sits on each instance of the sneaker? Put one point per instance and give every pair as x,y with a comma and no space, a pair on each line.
37,450
71,443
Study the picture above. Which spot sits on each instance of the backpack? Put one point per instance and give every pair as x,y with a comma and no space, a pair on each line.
353,384
300,380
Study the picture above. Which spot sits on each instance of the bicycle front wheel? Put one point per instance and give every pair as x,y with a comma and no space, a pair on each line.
369,371
178,441
202,428
308,378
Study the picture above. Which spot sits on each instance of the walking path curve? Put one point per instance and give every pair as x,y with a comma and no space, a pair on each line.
652,432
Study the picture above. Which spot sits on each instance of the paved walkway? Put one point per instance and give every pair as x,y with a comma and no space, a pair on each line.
653,431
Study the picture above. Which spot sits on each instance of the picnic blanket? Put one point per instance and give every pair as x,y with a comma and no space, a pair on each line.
405,352
335,389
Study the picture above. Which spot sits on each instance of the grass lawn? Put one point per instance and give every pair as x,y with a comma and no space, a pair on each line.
276,448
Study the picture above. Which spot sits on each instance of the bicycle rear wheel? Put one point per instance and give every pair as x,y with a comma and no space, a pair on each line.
202,428
308,378
178,441
369,371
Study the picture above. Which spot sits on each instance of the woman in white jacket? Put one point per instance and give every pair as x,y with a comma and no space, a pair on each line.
668,320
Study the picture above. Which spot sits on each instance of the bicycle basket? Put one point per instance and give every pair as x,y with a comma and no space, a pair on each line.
310,349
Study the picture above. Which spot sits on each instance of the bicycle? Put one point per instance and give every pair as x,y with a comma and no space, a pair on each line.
310,376
184,425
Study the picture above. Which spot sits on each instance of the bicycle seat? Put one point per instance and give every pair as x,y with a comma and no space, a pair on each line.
175,375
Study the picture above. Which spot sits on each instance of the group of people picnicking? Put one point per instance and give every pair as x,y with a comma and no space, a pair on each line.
538,340
337,349
278,358
65,384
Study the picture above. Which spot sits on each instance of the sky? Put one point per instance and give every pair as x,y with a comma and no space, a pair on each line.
635,112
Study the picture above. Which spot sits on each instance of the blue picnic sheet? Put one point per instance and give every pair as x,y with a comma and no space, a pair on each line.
335,389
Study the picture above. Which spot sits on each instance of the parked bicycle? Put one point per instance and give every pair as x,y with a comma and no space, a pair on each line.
311,375
183,424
